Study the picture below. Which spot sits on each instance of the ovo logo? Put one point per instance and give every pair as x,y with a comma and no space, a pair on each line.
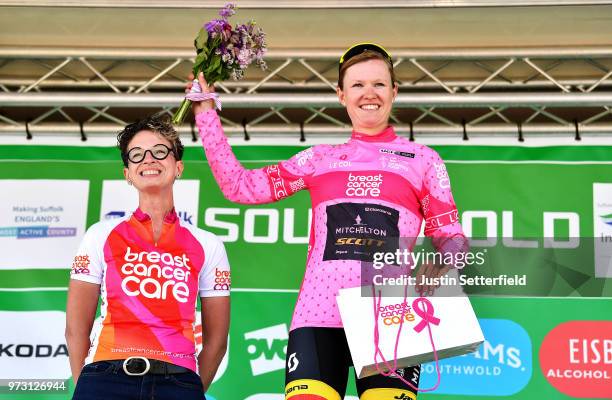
267,348
576,358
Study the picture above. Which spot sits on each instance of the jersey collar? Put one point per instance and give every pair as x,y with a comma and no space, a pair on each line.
387,135
142,216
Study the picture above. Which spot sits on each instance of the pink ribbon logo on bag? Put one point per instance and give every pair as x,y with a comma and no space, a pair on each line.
424,309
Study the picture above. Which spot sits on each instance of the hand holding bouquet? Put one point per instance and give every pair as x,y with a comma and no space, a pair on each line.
223,52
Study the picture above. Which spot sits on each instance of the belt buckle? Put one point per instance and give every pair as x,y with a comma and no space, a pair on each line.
127,360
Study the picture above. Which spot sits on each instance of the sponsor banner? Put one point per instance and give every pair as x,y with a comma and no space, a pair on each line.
120,199
511,204
34,346
501,366
41,222
576,358
602,229
256,311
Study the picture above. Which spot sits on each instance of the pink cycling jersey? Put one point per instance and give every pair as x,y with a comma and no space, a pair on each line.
369,190
149,288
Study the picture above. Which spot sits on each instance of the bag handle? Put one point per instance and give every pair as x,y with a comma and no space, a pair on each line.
427,317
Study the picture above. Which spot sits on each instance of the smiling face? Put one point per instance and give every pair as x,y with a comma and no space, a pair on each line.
368,94
151,174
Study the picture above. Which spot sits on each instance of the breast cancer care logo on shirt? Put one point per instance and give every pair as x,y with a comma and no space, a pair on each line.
156,275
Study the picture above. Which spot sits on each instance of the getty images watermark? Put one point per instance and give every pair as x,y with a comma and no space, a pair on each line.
395,268
534,266
456,269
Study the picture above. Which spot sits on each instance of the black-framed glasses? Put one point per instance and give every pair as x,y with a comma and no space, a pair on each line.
360,48
158,152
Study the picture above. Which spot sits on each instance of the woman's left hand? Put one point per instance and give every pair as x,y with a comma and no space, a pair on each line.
429,273
200,106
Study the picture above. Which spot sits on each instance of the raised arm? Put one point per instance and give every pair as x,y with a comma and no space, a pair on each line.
238,184
250,186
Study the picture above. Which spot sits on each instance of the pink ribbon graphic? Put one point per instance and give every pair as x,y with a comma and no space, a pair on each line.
426,313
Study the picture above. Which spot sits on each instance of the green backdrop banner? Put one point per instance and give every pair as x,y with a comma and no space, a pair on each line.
544,212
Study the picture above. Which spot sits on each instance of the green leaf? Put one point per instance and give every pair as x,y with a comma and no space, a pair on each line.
199,62
215,62
201,39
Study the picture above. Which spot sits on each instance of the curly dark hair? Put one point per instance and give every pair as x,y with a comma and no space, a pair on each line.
158,123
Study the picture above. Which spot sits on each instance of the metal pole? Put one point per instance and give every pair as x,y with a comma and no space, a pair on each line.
298,100
320,54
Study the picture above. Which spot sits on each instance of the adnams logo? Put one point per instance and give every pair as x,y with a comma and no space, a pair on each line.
501,366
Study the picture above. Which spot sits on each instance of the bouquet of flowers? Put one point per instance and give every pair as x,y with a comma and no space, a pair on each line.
223,52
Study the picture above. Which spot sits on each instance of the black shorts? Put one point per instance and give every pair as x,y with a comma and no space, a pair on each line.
318,361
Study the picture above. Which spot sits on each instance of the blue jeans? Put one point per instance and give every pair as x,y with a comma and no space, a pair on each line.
102,381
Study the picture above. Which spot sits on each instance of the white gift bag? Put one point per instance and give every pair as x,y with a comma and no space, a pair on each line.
457,332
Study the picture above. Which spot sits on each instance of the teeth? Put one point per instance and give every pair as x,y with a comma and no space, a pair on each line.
150,172
370,107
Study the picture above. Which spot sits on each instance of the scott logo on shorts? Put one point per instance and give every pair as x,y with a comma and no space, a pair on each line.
363,185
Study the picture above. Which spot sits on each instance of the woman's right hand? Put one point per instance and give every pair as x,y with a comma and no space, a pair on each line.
201,106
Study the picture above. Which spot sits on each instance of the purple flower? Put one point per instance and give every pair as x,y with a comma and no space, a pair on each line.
227,11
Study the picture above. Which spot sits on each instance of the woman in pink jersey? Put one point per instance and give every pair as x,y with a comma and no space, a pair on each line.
148,268
369,191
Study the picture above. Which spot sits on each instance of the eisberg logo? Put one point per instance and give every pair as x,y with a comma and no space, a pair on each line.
500,367
165,273
576,358
267,348
363,185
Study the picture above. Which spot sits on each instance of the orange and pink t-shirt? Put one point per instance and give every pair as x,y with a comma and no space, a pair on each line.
149,290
